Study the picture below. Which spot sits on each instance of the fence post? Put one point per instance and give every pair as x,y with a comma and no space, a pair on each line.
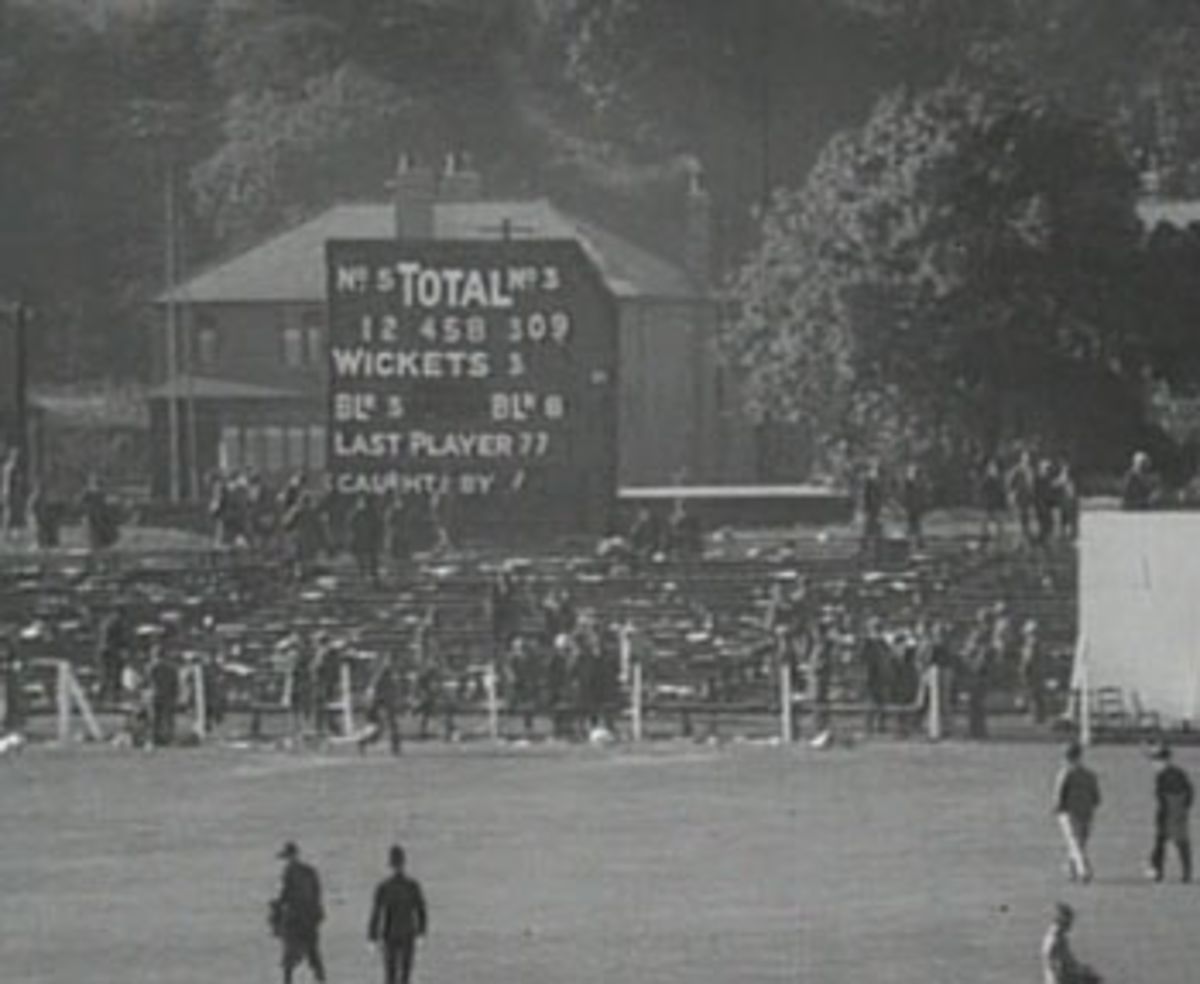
625,642
493,703
69,696
635,701
786,731
934,696
200,700
63,701
347,700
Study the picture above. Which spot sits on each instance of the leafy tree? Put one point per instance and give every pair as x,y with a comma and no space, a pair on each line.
950,274
280,156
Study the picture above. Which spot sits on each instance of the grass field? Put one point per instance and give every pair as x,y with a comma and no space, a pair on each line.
678,863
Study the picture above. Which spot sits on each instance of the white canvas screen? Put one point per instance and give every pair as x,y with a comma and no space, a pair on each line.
1139,608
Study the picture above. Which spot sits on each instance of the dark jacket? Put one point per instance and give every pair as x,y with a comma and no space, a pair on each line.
1172,784
398,912
300,909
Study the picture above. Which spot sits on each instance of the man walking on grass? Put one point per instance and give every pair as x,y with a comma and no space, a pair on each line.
1076,797
296,915
397,918
1173,796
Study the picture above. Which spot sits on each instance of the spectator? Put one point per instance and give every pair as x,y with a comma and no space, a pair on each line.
12,518
383,704
941,658
164,696
560,671
1002,641
686,536
504,612
1033,672
645,536
779,612
328,512
977,669
1067,498
100,518
870,500
439,522
1138,490
14,693
822,659
875,660
905,680
1020,483
395,532
325,674
45,518
216,699
914,499
305,534
525,674
259,516
289,496
1045,502
994,501
114,645
298,669
366,537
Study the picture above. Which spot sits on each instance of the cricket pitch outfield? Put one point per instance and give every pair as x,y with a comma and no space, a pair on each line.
665,865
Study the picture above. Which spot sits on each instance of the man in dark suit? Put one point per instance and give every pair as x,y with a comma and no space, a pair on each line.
1173,796
397,919
296,915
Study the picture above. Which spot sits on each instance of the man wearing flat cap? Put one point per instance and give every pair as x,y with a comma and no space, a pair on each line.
398,917
296,915
1173,796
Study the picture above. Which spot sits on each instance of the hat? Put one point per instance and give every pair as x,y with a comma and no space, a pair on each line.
288,851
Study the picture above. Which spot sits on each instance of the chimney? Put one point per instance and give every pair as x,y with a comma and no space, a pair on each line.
698,228
414,193
460,181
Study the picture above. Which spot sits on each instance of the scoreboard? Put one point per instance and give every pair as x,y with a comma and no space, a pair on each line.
480,370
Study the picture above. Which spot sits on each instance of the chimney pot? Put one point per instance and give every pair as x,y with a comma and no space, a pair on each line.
698,228
460,181
414,193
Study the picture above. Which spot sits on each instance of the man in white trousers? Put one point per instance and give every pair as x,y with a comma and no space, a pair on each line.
1076,798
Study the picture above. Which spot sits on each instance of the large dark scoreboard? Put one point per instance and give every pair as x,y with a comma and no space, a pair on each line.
484,371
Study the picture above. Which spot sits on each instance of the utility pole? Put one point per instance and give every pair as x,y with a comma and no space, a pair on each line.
18,315
21,391
172,339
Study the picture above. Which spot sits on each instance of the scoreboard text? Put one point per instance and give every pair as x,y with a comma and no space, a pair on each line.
481,370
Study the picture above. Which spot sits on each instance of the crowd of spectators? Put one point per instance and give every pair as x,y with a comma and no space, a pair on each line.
847,654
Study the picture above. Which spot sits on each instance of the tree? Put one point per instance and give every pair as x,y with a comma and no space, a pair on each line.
320,99
282,156
950,274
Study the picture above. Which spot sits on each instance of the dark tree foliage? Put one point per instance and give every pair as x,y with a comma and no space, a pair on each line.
953,273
